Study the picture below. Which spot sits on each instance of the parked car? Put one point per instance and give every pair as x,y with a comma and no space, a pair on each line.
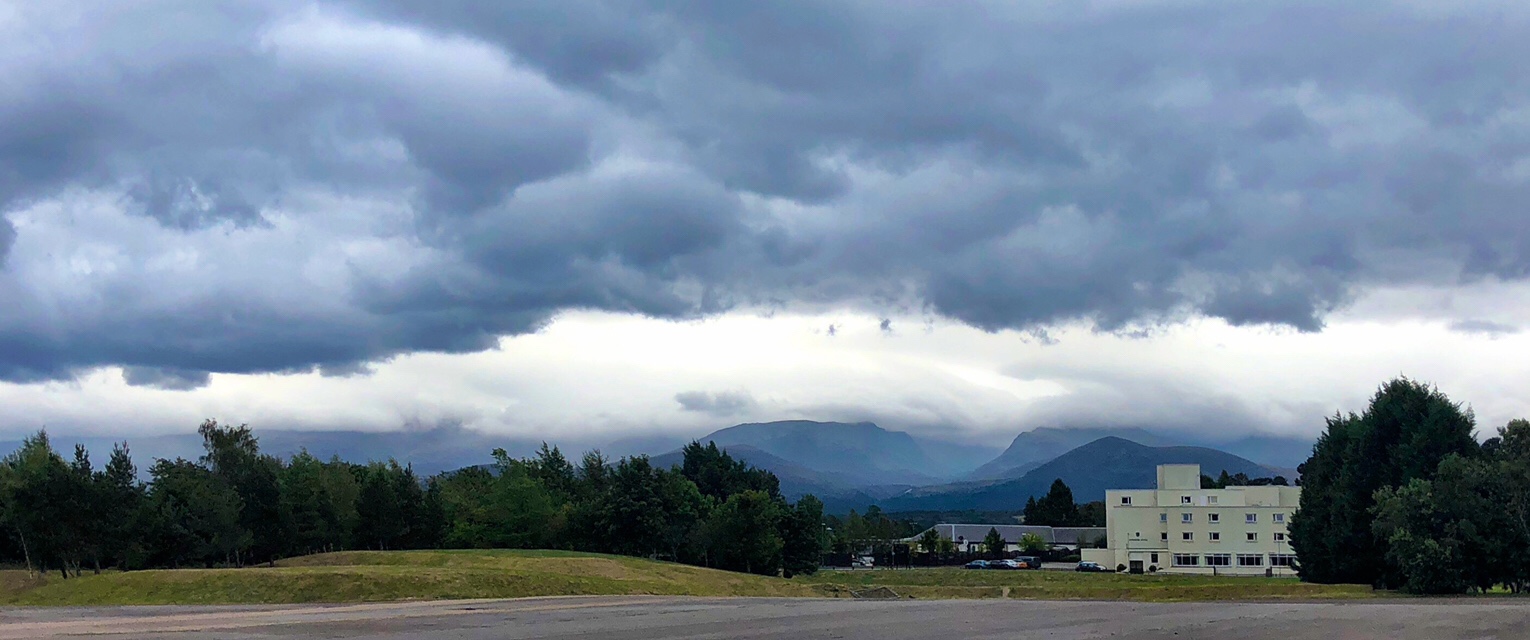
1028,562
863,563
1091,567
1004,564
977,564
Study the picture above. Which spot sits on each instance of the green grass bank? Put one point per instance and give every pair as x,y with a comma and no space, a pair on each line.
365,576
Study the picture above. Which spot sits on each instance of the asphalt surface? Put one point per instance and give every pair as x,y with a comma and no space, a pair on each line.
622,618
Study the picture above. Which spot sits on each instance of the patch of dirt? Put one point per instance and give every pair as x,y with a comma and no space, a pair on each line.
879,593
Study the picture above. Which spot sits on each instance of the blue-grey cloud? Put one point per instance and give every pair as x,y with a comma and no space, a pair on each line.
721,404
1484,327
7,238
300,185
165,378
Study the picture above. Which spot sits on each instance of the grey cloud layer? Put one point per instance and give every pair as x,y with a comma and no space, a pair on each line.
193,187
720,404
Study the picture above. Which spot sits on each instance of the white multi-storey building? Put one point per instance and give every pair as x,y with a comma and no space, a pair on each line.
1181,528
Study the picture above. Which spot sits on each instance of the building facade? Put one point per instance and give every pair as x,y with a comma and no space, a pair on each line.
968,538
1181,528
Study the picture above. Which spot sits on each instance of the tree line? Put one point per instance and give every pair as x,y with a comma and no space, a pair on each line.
1057,509
236,506
1241,479
1402,496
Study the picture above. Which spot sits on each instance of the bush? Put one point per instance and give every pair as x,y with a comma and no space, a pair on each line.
1072,558
1120,568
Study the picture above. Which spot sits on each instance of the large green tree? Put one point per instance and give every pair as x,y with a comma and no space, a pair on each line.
1446,535
120,500
719,475
314,514
803,537
743,534
1404,434
1511,458
46,503
193,516
1055,509
233,454
994,543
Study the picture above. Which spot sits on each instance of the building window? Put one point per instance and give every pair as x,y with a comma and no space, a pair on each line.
1252,537
1213,518
1184,499
1164,536
1251,518
1154,559
1163,517
1218,559
1187,560
1282,560
1280,518
1250,560
1187,518
1186,536
1280,537
1126,501
1215,536
1211,499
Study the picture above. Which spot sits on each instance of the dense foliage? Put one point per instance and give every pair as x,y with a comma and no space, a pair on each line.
994,543
1241,479
1402,496
236,506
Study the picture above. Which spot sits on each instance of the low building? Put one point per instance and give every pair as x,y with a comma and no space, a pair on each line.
968,538
1181,528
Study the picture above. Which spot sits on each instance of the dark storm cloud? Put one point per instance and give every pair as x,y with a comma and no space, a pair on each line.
161,378
329,184
7,237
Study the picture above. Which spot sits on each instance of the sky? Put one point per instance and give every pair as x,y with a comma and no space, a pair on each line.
590,219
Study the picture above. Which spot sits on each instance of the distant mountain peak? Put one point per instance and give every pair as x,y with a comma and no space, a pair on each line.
1091,469
1032,448
861,450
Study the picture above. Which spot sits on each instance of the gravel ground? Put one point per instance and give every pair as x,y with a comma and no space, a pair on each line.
622,618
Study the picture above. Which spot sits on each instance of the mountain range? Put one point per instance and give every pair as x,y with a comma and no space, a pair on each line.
1035,447
1089,471
855,465
847,465
860,450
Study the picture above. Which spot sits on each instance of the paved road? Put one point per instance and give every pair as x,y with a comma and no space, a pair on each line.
632,618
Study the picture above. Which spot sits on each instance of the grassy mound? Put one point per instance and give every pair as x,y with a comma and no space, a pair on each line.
1068,585
369,576
406,575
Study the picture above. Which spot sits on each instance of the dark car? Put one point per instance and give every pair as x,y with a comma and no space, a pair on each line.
1091,567
1029,562
977,564
1004,564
